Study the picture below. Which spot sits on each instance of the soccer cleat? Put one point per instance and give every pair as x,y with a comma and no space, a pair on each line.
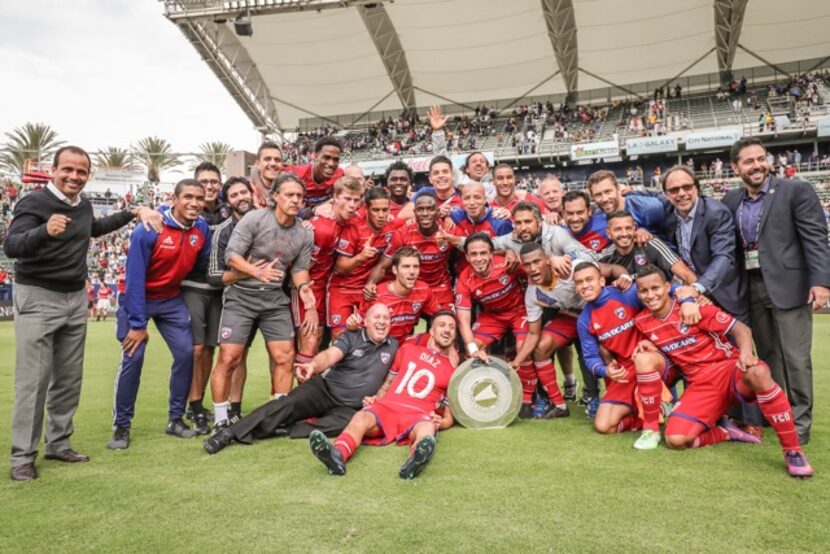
585,398
591,407
736,433
200,424
178,428
324,451
218,440
526,411
120,439
569,390
556,412
755,430
421,454
541,407
797,464
649,440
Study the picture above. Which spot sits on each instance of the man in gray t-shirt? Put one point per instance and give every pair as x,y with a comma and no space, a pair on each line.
264,246
333,387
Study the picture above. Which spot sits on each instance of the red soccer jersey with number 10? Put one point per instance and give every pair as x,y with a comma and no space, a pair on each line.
404,310
435,256
498,293
421,381
694,349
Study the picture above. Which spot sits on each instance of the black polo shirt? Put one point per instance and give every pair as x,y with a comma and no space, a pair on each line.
363,368
654,252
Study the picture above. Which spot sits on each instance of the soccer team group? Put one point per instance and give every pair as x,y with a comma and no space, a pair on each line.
310,255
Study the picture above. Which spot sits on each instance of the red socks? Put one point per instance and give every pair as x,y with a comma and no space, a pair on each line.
547,376
650,386
776,409
710,437
346,444
630,423
527,375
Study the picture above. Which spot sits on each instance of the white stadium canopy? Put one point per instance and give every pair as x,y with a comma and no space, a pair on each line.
319,58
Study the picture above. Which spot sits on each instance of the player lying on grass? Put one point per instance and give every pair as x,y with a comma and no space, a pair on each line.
404,410
717,374
333,386
607,321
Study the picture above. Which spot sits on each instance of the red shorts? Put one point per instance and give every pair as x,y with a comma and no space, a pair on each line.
706,399
619,392
562,328
490,327
395,421
341,304
298,310
444,297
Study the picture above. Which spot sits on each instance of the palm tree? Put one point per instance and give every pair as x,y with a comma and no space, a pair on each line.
156,155
213,152
115,158
32,141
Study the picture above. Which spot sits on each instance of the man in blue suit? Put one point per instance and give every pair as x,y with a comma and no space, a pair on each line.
785,256
702,230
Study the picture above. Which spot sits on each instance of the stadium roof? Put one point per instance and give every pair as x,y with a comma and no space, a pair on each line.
311,58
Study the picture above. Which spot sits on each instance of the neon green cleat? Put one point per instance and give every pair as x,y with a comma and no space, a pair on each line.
649,440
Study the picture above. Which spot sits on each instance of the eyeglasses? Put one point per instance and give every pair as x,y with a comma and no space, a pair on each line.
207,182
676,190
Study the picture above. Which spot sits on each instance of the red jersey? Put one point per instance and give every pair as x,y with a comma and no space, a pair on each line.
454,201
515,200
315,193
435,256
326,235
90,292
395,209
696,348
352,240
422,376
404,310
104,292
499,292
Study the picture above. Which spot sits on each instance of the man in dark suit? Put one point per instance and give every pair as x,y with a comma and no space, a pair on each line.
702,230
783,249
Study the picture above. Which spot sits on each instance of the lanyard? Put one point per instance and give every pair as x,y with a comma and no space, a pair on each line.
746,245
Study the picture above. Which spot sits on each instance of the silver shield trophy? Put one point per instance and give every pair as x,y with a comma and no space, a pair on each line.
485,396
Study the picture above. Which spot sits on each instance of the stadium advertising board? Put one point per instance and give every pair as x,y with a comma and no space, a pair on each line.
594,150
651,145
719,138
823,127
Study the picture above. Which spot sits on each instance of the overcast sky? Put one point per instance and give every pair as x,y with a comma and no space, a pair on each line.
109,72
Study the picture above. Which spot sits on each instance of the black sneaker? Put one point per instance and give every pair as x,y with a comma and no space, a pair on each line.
569,391
556,412
219,440
421,454
201,425
178,428
585,399
326,453
526,411
120,439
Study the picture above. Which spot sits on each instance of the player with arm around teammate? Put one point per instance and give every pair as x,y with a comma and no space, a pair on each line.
404,410
717,374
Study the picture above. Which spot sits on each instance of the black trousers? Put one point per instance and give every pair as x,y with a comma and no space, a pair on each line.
311,399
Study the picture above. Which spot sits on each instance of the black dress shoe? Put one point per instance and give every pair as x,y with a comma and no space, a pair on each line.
68,456
803,439
25,472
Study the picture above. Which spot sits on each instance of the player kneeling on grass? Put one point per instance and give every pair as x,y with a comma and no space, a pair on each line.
607,322
717,374
404,410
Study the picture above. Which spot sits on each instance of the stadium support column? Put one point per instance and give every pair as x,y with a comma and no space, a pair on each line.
392,54
561,24
729,18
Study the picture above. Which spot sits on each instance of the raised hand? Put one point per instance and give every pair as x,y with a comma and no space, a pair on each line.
437,119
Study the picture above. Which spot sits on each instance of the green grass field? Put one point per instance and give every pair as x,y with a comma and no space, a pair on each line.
539,486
